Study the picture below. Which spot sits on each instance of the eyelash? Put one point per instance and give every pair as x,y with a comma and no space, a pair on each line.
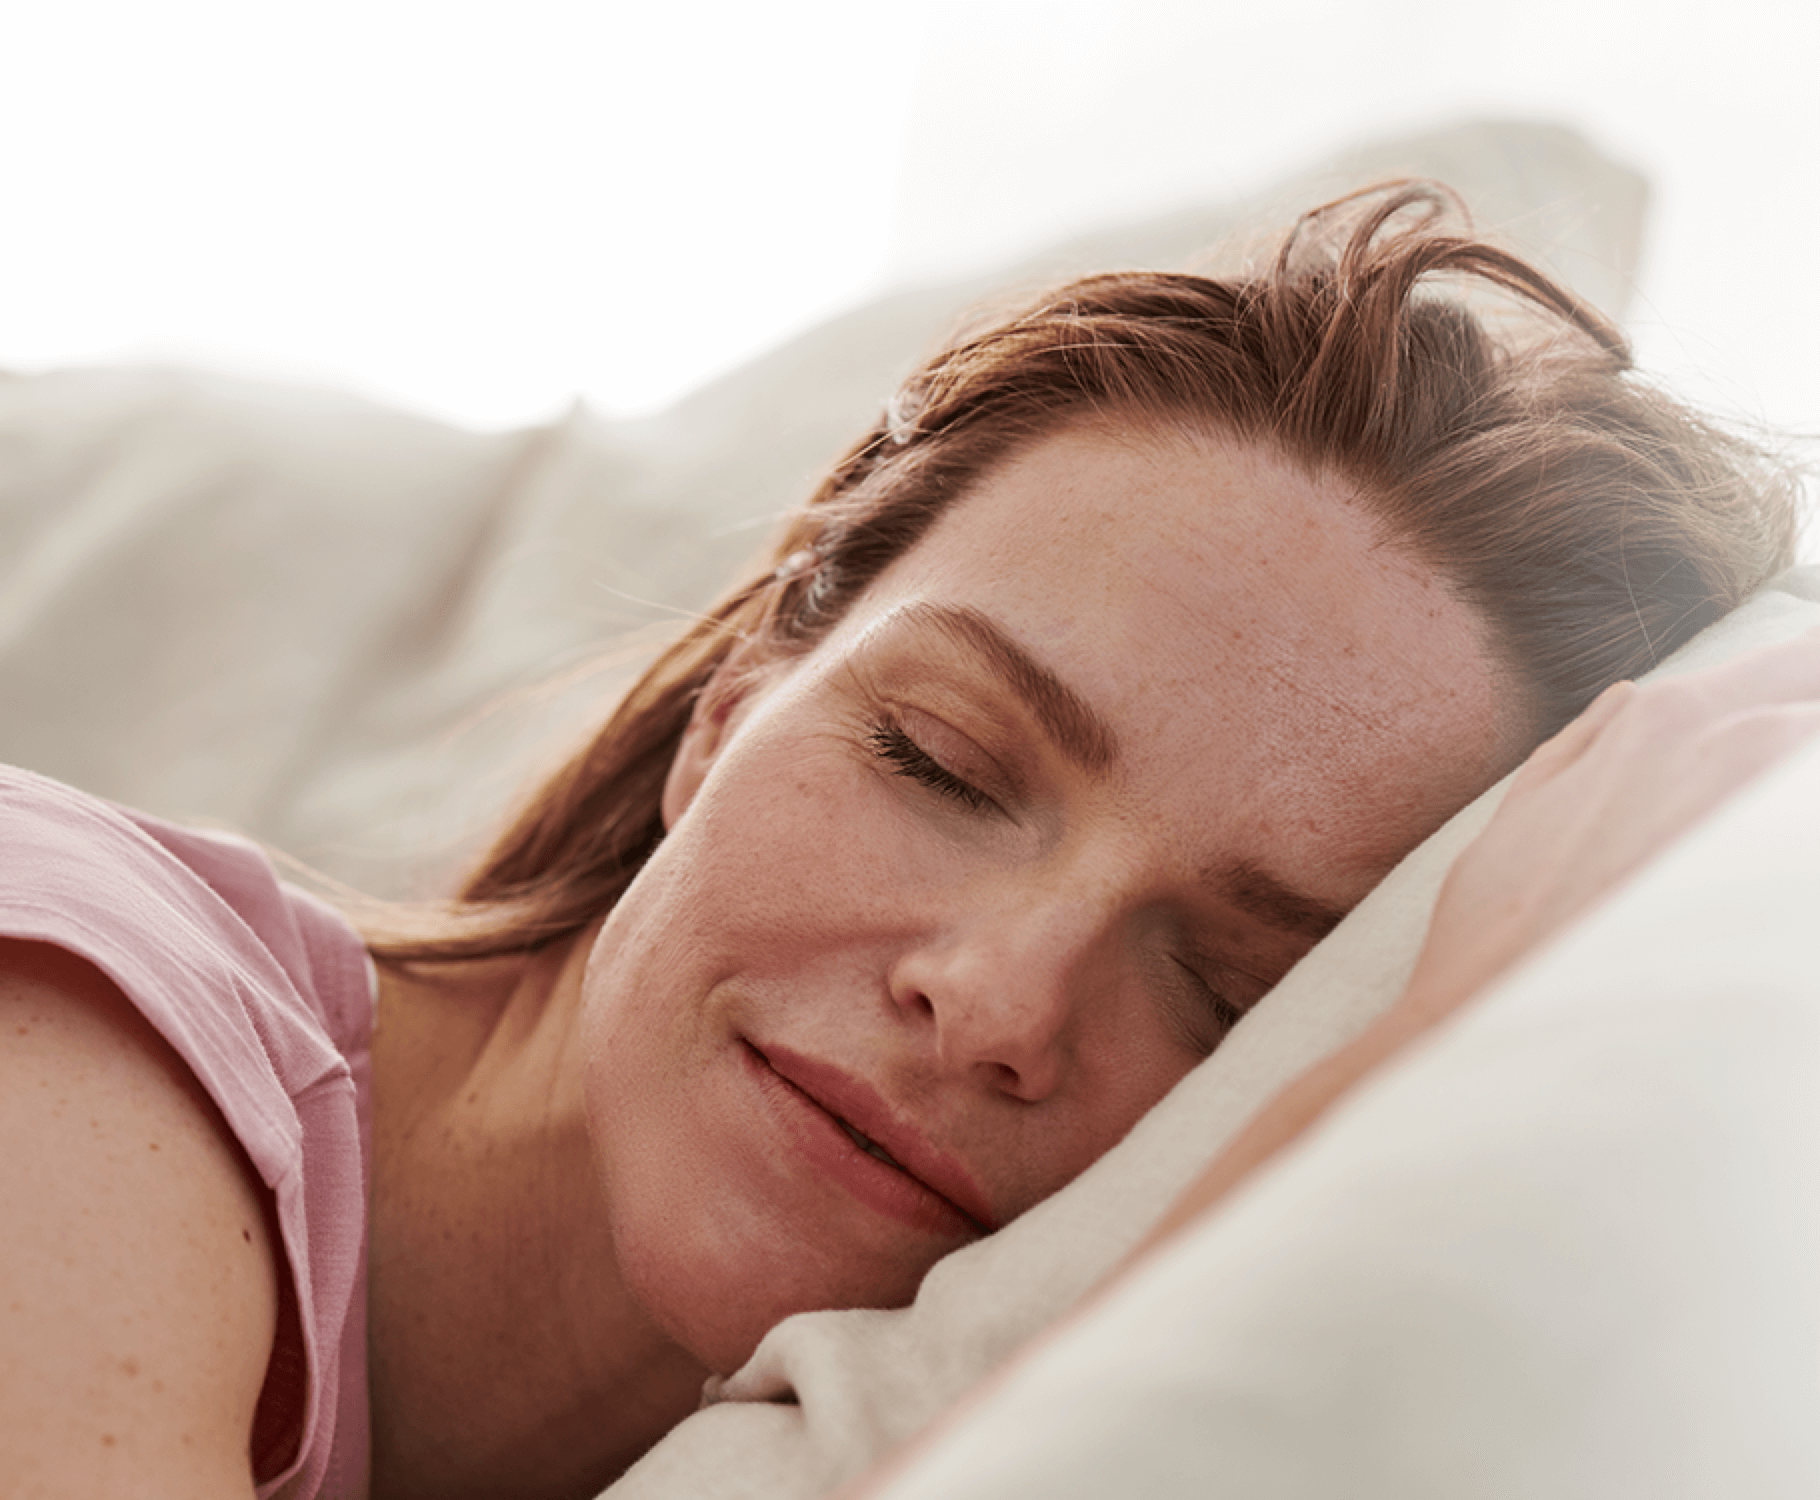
890,743
1225,1012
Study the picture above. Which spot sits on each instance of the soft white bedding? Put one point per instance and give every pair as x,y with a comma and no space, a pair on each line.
1567,1249
1562,1251
335,626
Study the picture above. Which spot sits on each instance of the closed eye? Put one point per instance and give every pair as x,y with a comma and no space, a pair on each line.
1225,1011
907,758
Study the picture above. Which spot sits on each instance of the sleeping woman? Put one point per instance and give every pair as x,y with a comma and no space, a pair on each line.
1146,631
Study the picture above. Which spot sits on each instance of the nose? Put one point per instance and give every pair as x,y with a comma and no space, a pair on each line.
1002,987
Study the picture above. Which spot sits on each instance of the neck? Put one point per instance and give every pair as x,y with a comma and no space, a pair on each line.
506,1355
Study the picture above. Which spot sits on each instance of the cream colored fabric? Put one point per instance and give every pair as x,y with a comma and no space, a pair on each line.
334,626
327,624
1567,1249
1417,1245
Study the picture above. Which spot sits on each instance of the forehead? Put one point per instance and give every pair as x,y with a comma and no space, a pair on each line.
1240,625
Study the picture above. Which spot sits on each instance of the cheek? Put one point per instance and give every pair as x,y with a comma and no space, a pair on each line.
757,882
736,916
643,992
799,845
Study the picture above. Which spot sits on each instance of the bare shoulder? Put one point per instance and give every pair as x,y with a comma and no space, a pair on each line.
138,1292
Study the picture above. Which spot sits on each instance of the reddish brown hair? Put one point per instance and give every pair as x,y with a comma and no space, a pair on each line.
1484,413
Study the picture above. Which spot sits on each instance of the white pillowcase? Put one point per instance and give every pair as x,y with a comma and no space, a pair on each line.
287,610
1565,1249
1568,1248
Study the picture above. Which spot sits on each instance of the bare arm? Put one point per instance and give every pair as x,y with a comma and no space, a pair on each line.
138,1293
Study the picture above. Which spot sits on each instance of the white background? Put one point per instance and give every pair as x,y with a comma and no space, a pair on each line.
482,209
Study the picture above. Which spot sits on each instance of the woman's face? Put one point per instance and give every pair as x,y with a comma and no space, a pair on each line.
973,883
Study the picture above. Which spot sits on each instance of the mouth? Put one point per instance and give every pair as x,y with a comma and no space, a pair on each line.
867,1144
855,1136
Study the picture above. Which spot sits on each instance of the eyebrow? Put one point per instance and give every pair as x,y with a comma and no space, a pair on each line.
1262,895
1087,739
1077,729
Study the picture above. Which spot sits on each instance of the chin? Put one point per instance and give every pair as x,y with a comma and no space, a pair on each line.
718,1302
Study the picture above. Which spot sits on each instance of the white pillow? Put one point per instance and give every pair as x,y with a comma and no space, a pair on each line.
1593,1194
329,625
288,609
1566,1249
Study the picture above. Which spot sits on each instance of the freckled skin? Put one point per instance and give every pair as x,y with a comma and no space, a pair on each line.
583,1151
138,1356
1287,688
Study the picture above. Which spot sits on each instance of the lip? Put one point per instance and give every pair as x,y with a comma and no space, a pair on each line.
927,1189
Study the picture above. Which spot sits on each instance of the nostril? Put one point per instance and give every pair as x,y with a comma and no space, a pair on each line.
1007,1078
994,1010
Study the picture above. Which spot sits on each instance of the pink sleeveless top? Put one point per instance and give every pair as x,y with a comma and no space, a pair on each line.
267,995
